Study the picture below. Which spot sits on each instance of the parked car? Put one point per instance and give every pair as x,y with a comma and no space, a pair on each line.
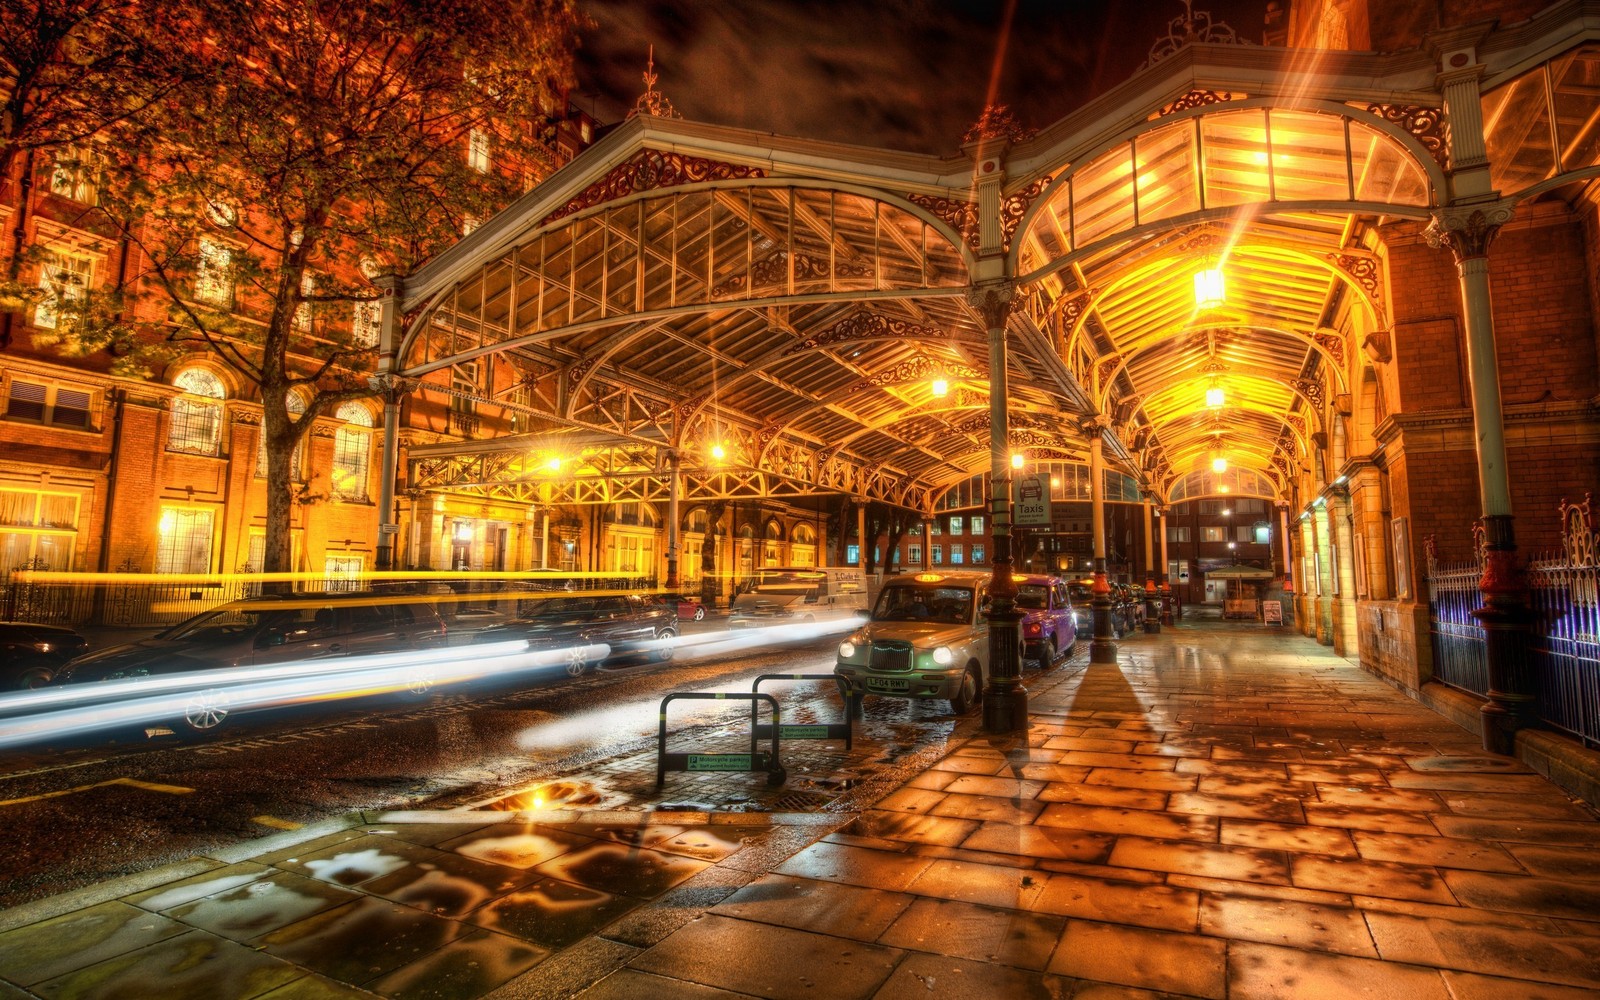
1049,629
266,630
1082,595
31,654
1127,608
688,607
926,637
630,624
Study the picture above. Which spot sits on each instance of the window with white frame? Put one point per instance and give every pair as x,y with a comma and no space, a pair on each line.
977,528
47,403
296,407
977,555
304,311
478,150
957,554
76,174
64,280
213,274
914,554
38,530
352,446
367,325
343,571
937,552
184,539
956,524
197,414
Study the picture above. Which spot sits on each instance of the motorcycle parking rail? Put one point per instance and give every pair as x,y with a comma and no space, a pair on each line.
844,730
755,760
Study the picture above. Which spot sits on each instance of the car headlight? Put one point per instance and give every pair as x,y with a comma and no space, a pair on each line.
943,657
43,647
847,649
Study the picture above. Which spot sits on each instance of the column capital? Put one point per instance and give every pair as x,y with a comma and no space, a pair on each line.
993,300
391,387
1467,230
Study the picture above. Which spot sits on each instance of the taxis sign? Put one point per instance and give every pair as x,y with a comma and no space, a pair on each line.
1030,501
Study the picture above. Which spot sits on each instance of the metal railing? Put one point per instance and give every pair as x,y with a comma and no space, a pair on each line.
1564,604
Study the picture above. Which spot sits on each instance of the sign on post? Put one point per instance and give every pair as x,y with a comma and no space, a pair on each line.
1030,501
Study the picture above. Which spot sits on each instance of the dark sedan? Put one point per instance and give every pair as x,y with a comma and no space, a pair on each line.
30,654
629,625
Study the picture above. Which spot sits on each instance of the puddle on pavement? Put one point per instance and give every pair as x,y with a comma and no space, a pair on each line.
570,793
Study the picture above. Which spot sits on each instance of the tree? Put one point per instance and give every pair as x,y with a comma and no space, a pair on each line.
76,71
324,141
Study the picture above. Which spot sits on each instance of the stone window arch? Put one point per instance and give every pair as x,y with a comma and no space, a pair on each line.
352,451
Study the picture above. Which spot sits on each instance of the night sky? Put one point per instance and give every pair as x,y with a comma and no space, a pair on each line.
900,74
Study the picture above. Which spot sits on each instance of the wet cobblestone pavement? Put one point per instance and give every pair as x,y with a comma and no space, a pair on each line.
1226,813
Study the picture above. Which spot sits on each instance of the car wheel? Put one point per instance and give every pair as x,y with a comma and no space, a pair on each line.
970,693
577,666
1049,659
663,653
206,711
35,677
699,612
420,681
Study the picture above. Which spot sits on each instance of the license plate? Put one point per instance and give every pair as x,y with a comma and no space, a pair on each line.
899,684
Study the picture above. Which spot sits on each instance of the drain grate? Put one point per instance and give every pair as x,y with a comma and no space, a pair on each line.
800,802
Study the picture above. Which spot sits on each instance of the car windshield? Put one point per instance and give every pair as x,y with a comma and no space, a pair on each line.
952,605
1032,595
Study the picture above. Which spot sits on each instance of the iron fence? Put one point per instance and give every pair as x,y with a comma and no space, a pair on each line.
1564,601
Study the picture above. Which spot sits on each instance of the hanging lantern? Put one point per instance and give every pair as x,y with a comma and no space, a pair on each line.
1214,396
1209,288
1219,465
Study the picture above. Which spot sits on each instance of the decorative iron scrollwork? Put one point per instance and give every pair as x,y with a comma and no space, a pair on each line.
866,325
1427,125
1195,99
915,369
774,268
649,170
1364,271
997,122
1015,206
961,215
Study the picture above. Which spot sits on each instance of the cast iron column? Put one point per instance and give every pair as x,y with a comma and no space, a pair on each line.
1103,648
1152,613
1005,700
674,485
1508,642
388,385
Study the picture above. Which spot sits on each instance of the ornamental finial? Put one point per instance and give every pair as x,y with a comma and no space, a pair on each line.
1193,26
652,102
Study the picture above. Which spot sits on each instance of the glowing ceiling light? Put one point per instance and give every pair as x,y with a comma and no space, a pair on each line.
718,453
1224,488
1016,460
941,388
1214,396
1219,465
553,463
1209,289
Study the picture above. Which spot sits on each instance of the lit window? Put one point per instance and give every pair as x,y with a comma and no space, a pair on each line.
914,554
478,150
937,552
64,280
351,446
213,274
956,525
37,530
343,571
197,414
977,529
1263,534
1213,533
957,555
47,404
76,175
977,555
852,554
184,540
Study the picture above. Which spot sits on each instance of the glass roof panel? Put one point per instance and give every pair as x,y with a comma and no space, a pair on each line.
1516,130
1384,172
1102,195
1235,157
1308,156
1166,172
1577,104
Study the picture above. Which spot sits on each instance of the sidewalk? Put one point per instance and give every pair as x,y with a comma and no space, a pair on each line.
1229,812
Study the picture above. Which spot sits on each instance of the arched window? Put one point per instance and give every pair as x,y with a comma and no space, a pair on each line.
351,447
296,407
197,414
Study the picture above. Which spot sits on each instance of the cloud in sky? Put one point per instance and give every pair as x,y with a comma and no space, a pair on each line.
899,74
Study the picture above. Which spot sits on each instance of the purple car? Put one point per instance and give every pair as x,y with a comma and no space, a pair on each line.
1048,628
